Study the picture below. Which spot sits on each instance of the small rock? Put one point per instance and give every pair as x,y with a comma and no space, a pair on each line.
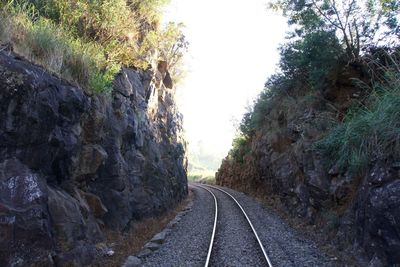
152,246
187,209
171,224
144,253
90,159
132,261
159,238
174,222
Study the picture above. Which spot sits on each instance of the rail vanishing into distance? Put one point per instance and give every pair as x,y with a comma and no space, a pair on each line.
206,187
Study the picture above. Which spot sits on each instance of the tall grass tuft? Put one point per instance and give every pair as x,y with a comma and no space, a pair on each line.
87,42
43,42
370,132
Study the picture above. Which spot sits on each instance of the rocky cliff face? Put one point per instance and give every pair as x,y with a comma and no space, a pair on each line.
279,161
73,164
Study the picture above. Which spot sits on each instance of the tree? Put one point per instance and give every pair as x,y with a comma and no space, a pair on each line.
358,24
312,57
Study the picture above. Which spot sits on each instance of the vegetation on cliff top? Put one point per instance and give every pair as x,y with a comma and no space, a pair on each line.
87,42
326,38
371,131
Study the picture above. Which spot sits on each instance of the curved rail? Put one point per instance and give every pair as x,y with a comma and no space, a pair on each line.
248,220
214,227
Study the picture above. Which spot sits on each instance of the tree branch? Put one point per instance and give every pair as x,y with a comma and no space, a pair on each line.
357,40
350,46
324,15
352,4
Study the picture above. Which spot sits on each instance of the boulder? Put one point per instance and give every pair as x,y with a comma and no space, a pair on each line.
25,227
132,261
90,159
123,83
381,230
67,219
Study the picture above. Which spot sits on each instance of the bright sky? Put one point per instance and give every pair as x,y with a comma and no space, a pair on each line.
232,51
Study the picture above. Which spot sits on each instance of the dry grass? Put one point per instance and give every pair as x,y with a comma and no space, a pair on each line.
87,42
132,241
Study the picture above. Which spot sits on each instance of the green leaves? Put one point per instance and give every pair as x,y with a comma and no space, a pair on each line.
357,24
312,58
368,132
87,42
240,148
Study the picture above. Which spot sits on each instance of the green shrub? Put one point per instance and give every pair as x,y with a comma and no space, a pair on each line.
46,45
308,62
240,148
254,118
87,42
312,58
41,41
148,11
369,132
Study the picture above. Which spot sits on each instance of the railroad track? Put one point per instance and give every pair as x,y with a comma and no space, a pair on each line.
209,188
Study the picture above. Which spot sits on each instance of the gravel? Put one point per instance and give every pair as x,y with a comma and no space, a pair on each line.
283,244
235,244
187,243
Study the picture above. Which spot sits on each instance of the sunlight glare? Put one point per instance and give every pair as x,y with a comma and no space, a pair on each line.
233,49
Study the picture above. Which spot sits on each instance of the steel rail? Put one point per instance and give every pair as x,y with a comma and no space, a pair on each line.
214,227
248,220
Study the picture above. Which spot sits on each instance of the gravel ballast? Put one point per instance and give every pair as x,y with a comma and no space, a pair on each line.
284,245
235,245
187,243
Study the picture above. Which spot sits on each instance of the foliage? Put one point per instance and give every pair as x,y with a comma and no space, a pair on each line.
369,132
43,42
346,18
239,148
308,61
203,161
311,58
148,11
171,45
327,36
254,117
89,41
202,177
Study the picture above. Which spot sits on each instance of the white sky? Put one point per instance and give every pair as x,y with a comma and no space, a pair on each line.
232,51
